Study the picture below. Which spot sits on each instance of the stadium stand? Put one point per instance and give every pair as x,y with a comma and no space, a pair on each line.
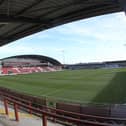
29,64
97,65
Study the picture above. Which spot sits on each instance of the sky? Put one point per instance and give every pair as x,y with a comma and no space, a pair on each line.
97,39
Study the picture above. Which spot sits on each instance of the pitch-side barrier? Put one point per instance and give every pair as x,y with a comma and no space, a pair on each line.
45,112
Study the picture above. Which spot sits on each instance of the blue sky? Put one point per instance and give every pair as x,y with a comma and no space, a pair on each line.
101,38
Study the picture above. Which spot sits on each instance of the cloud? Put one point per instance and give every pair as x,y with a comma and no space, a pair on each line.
10,50
94,39
105,28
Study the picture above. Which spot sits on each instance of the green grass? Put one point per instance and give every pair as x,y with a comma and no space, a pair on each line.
83,86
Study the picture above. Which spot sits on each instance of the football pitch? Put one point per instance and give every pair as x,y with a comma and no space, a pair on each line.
106,86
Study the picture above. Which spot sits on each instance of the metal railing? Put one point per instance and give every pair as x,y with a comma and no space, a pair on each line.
44,112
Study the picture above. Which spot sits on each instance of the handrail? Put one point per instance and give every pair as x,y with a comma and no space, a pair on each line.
84,116
46,113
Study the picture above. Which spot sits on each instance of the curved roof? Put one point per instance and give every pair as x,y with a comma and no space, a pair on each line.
36,57
20,18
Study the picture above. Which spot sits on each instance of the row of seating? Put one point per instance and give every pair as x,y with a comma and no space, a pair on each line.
23,70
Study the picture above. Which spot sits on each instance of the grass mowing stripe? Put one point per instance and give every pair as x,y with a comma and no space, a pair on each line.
99,86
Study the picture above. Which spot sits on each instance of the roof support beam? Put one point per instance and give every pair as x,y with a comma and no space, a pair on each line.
4,19
57,8
30,7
